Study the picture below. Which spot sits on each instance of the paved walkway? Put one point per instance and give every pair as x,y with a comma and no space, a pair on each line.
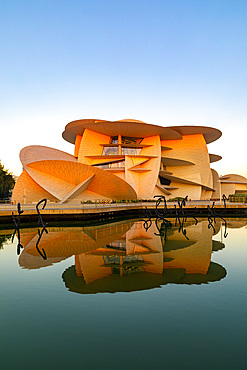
7,209
53,206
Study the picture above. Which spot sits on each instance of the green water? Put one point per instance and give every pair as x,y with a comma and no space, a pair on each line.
120,297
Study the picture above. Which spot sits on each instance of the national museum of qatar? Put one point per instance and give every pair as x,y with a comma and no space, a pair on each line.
126,159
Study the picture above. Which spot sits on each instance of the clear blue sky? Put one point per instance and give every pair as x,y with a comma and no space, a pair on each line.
176,62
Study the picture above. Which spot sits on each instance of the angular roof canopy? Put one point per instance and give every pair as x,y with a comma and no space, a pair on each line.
214,157
134,128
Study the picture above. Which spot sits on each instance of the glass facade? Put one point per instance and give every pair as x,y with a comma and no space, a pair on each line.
120,164
126,264
109,150
131,140
114,140
131,151
127,145
126,140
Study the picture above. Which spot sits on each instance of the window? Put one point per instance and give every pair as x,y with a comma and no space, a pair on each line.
164,181
117,164
109,150
120,164
131,151
131,140
114,140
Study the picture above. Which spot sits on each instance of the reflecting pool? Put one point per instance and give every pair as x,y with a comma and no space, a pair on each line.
179,301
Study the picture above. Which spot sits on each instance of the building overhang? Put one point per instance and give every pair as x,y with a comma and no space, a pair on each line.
133,128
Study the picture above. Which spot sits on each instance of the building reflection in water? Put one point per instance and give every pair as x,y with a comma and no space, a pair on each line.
139,260
124,257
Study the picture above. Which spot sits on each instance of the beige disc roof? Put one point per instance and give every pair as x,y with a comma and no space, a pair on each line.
134,128
35,153
210,134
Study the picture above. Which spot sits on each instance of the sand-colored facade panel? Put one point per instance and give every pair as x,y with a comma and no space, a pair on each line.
77,145
146,181
54,185
240,188
27,190
216,184
182,190
228,189
206,194
192,148
91,145
80,188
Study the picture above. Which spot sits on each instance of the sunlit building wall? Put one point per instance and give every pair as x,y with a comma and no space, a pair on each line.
125,159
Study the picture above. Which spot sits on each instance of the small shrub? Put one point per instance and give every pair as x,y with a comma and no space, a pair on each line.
238,198
175,199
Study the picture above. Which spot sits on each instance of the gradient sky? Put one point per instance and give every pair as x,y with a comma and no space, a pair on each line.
167,62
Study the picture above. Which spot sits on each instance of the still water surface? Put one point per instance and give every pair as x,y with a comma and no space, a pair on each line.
118,296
